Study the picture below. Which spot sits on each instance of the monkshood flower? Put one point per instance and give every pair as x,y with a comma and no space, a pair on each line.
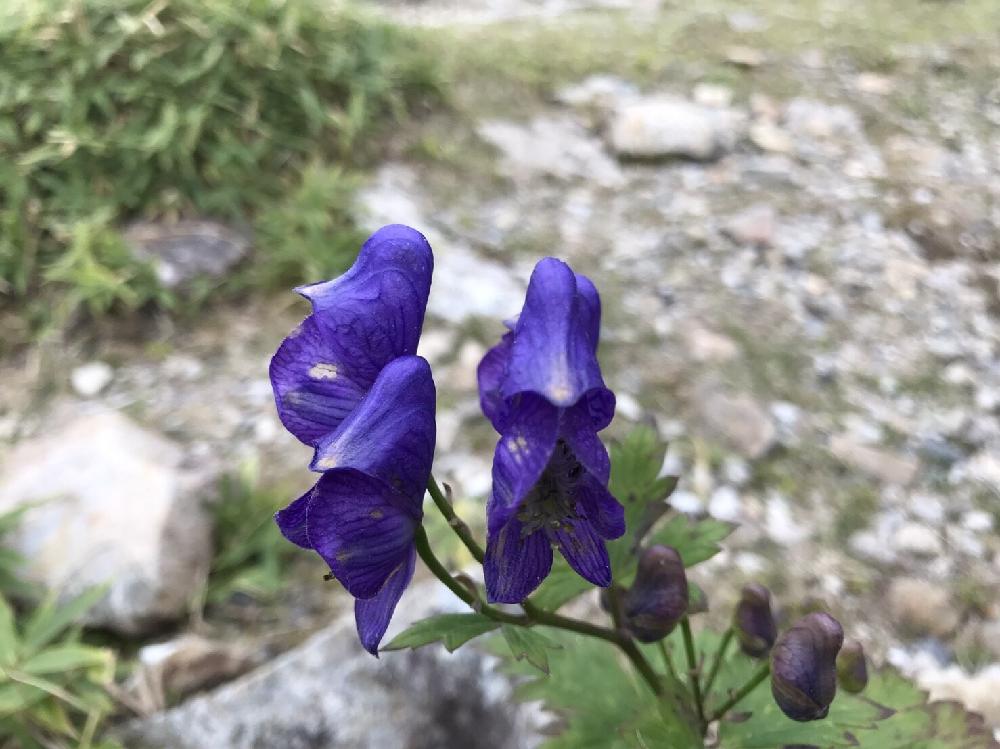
362,514
803,667
541,388
360,322
659,596
346,383
753,621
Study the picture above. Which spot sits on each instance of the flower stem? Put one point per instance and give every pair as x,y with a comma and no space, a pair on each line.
693,671
720,656
533,613
442,574
762,673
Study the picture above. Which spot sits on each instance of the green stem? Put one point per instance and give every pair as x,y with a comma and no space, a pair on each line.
762,673
693,671
720,656
533,613
668,660
442,574
456,523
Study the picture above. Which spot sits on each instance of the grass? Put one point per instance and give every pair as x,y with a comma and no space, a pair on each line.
245,110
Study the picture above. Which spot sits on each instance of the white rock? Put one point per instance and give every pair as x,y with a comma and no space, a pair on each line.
753,226
706,345
915,538
597,91
979,692
725,504
687,502
767,136
90,379
328,692
116,507
781,524
712,95
663,127
977,521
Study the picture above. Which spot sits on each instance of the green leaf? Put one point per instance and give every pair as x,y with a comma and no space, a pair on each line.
695,540
50,619
451,630
8,634
68,657
590,688
529,645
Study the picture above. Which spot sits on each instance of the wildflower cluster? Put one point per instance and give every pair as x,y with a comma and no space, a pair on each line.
348,383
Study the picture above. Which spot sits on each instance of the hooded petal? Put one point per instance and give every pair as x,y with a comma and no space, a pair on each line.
577,429
362,527
521,454
515,564
391,434
372,615
584,549
602,510
589,302
553,352
360,322
292,521
491,373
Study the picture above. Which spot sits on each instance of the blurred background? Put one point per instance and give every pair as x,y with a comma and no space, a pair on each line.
791,208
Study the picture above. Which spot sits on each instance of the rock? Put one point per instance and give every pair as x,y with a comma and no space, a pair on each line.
725,504
873,83
884,465
753,226
556,146
740,421
979,692
116,507
920,607
183,251
601,92
915,538
781,524
664,127
328,692
90,379
706,345
191,663
816,119
712,95
977,521
745,57
767,136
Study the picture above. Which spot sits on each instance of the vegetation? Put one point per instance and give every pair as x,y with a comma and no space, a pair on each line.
112,110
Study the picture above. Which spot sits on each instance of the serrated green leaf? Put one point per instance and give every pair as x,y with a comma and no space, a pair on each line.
451,630
50,619
529,645
695,540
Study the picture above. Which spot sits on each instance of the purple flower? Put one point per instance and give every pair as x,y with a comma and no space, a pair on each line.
347,384
541,388
360,322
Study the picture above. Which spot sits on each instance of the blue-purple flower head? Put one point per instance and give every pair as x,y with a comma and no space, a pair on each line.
541,388
347,383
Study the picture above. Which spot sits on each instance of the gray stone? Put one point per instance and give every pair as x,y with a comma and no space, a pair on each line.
328,692
921,607
740,421
557,146
183,251
918,539
664,127
881,464
600,92
753,226
114,506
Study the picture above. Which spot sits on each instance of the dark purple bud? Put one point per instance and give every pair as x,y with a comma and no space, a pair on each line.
753,621
659,597
852,668
804,669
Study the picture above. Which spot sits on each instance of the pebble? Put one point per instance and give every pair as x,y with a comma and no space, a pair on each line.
921,607
89,380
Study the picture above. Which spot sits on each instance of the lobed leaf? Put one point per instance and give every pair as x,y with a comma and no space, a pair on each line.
451,630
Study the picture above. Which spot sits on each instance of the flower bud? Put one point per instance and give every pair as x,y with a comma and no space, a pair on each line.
753,621
659,596
803,667
852,668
